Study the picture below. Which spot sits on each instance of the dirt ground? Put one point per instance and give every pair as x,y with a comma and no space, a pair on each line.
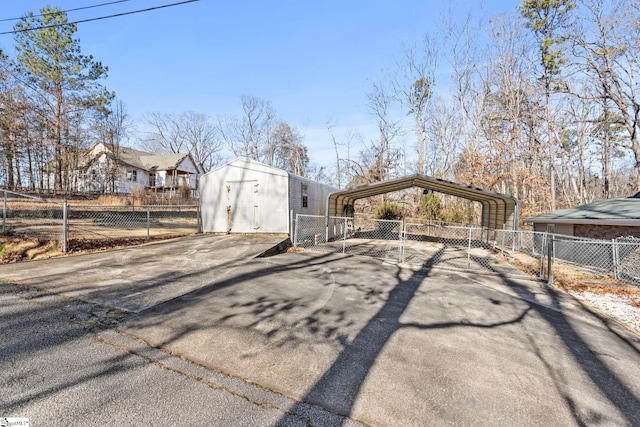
16,248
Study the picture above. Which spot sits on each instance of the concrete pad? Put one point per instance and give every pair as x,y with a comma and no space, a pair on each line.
400,345
136,278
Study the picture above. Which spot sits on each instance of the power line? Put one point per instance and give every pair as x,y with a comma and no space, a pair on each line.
68,10
98,18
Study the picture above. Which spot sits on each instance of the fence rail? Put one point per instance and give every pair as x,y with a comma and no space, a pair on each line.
61,221
473,248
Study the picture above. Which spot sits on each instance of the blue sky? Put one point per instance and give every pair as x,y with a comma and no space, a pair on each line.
313,60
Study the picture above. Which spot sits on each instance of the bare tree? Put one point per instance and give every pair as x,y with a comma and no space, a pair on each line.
112,126
415,89
250,135
188,132
608,50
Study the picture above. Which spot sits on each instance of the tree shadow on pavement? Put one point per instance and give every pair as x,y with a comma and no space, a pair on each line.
340,385
588,357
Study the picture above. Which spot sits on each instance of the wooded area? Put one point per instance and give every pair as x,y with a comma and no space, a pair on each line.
541,104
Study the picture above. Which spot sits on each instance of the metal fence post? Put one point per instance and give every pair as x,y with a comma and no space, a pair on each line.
550,250
403,240
469,251
295,230
4,213
543,250
291,224
615,257
344,237
148,222
64,227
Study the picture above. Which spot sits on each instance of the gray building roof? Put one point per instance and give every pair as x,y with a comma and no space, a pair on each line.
619,211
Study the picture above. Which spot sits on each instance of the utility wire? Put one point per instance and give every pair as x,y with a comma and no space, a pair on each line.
98,18
68,10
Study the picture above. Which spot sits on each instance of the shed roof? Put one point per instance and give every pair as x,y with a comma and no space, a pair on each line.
618,211
498,210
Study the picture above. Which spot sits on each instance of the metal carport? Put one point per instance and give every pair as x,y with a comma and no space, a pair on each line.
498,210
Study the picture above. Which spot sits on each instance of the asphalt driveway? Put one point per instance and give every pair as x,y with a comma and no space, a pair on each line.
380,343
137,278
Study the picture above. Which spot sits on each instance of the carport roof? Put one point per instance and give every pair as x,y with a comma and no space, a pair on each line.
498,210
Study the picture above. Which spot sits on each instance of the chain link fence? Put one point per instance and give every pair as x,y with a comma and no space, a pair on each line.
32,216
356,236
120,222
475,248
36,217
454,247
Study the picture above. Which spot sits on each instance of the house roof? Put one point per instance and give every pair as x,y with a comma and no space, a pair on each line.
618,211
147,161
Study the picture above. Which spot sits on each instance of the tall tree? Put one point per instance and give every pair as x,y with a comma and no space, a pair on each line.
415,89
382,155
112,126
10,106
65,81
548,20
607,49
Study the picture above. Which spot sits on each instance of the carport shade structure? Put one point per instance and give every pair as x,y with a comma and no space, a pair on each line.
499,211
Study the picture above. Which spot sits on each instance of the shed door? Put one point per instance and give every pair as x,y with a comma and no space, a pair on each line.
242,206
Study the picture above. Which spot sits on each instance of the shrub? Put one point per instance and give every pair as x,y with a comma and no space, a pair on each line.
388,210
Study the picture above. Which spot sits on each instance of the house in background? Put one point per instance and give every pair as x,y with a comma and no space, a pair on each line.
104,168
603,219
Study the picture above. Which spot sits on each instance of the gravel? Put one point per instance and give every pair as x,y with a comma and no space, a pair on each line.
616,306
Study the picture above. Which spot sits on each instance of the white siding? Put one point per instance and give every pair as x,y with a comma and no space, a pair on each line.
246,196
317,195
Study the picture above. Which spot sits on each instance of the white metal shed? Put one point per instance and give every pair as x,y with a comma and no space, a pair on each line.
246,196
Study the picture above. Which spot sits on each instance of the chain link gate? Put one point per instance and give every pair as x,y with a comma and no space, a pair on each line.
459,248
376,238
474,249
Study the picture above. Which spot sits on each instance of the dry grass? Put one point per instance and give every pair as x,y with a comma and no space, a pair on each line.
15,249
570,279
23,248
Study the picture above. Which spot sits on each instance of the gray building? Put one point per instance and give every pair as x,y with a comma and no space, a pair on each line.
602,219
246,196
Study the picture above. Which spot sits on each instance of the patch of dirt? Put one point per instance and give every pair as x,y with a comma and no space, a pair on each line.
17,248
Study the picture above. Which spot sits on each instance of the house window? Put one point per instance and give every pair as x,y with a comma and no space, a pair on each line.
132,175
152,180
305,200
